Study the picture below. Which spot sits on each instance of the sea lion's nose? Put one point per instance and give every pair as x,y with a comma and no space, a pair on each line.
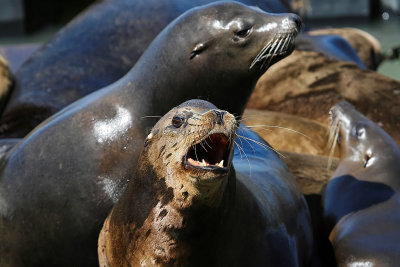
220,116
297,20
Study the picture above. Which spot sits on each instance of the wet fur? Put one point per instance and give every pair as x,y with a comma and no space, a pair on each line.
362,199
252,222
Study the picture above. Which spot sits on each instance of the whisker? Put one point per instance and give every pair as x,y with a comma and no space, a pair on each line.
145,117
332,150
254,151
244,153
287,41
332,131
262,51
239,139
280,127
195,152
195,118
274,53
201,143
271,55
265,146
205,141
239,149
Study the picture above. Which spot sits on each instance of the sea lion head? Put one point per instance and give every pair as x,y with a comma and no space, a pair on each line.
224,45
362,143
232,34
239,36
192,148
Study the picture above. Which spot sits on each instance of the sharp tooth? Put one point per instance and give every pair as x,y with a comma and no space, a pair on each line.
204,163
221,164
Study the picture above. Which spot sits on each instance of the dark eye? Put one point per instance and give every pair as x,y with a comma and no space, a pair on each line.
359,130
177,121
243,33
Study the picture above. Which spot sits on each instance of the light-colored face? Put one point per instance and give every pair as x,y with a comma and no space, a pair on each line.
191,147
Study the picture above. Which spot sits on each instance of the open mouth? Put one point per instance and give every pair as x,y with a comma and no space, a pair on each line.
211,154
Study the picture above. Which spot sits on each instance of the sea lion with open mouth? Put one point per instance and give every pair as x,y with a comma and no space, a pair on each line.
188,204
59,184
362,200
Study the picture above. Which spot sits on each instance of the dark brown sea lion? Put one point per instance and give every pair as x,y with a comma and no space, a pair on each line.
59,184
362,199
94,50
308,83
310,171
188,205
289,132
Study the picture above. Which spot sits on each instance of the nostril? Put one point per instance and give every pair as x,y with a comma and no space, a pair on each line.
220,116
297,20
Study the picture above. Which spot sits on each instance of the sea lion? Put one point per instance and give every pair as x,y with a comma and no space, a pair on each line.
310,171
362,199
367,46
188,205
96,49
308,83
332,46
73,167
289,132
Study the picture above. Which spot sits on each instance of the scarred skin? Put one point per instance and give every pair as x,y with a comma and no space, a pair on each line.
74,167
362,200
96,49
249,213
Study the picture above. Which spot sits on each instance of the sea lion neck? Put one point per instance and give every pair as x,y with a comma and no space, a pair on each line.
222,45
171,227
181,189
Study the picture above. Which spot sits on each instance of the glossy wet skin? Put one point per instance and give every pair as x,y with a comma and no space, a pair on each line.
180,208
362,198
94,50
74,167
230,43
362,144
245,34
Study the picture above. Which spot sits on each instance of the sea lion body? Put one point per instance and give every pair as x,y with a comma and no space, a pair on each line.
367,46
332,46
180,211
362,200
94,50
74,166
300,135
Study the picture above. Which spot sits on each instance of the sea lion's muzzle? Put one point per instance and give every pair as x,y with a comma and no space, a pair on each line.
211,153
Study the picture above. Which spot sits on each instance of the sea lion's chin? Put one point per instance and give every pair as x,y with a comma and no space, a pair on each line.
210,157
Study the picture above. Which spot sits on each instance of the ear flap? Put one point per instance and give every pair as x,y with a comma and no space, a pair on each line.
198,49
